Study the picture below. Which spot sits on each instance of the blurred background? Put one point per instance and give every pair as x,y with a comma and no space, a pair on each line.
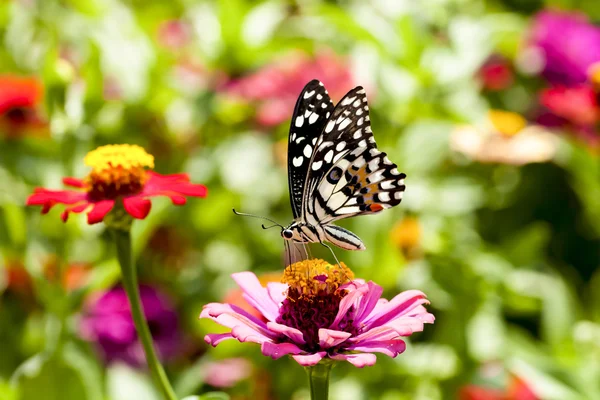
490,107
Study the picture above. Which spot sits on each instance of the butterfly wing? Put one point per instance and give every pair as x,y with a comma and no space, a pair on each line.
348,175
313,109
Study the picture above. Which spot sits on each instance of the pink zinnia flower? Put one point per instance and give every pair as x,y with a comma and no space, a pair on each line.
320,311
118,177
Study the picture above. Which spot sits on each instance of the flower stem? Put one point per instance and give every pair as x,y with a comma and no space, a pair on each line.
318,378
129,279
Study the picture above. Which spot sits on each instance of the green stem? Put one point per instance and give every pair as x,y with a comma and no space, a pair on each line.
129,279
318,378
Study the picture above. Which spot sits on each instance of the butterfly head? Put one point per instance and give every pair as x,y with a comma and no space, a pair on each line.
287,234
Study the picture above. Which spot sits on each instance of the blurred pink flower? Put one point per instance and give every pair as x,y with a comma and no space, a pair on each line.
321,312
227,373
568,43
107,321
276,86
174,34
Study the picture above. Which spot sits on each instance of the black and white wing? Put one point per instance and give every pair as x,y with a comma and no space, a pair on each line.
313,109
348,175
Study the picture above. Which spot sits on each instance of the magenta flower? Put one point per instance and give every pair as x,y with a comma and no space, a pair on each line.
107,321
569,44
321,312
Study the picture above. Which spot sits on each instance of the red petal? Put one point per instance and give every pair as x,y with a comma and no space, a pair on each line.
99,211
175,186
137,207
74,182
43,196
76,209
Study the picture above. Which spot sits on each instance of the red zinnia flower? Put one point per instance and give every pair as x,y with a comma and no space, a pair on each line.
118,174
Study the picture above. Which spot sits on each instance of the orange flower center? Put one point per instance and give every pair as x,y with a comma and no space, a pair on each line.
315,276
117,170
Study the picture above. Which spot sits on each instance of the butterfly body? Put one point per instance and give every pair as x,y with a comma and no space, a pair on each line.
302,232
335,170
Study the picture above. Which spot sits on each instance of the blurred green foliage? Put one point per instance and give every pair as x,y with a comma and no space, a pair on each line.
508,255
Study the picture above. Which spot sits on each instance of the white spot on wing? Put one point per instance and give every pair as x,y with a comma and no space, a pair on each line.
319,96
309,94
299,121
340,146
316,165
300,139
362,143
348,100
344,124
386,185
293,137
383,196
324,105
329,126
307,151
359,112
328,156
360,121
356,103
358,134
398,195
297,161
313,118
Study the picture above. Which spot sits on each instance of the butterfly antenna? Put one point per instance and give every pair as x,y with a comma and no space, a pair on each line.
259,217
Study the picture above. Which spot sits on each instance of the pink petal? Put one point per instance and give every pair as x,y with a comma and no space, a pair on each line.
292,333
215,338
379,333
400,305
330,338
349,302
390,348
256,295
368,302
277,292
309,360
99,211
278,350
137,207
358,360
232,316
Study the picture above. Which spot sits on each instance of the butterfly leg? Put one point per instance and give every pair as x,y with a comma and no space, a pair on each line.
331,250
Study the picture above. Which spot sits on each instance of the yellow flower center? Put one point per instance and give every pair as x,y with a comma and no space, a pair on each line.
315,276
507,123
117,170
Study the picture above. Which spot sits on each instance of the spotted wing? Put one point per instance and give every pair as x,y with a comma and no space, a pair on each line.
348,175
313,108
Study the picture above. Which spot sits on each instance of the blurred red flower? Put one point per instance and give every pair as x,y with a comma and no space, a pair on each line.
19,99
276,86
496,74
517,390
577,104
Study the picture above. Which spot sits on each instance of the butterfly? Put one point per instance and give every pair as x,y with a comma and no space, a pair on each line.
335,170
